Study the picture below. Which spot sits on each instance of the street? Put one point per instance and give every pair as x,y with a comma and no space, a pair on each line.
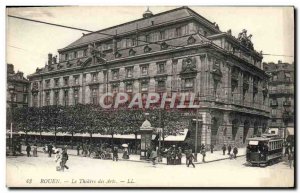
86,172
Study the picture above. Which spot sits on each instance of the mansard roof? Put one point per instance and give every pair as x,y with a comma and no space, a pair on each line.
124,53
157,19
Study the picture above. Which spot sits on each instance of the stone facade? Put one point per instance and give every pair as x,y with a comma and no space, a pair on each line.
174,51
20,87
281,93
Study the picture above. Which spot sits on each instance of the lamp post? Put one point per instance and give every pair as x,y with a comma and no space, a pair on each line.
196,134
11,89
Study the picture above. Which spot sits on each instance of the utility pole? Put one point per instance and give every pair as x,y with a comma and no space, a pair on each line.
159,139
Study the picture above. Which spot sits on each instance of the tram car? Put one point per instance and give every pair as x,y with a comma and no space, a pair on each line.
264,150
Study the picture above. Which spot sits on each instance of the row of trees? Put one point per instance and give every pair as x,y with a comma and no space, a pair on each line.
93,119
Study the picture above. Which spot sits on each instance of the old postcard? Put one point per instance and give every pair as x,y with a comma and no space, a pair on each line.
161,96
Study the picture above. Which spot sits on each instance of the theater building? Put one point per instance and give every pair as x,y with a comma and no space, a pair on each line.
176,51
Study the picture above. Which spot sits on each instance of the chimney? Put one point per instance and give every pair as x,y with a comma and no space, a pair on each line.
279,61
54,59
49,59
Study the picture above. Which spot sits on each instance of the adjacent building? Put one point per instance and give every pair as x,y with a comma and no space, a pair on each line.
173,51
17,88
281,93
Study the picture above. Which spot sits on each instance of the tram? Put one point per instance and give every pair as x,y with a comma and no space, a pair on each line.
264,150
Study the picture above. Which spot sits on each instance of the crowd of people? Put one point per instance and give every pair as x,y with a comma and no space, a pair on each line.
173,154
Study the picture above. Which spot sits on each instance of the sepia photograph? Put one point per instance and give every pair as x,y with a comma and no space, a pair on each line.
150,96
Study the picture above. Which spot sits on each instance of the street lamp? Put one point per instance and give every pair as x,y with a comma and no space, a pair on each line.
11,90
198,119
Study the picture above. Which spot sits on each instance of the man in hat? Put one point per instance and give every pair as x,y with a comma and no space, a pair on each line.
190,159
50,147
115,153
28,149
224,149
235,151
229,149
64,159
212,148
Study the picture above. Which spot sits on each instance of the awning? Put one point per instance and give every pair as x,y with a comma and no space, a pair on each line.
290,131
178,137
253,142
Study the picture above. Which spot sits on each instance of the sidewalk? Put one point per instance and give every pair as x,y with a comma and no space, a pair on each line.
210,157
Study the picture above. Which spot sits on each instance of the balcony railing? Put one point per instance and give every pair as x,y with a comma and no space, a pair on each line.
287,103
282,91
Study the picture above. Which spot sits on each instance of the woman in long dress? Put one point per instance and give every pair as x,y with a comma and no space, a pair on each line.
34,150
58,160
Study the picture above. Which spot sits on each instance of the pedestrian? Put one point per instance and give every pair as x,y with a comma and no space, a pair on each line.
125,153
179,155
78,149
115,153
58,157
149,150
212,148
291,159
235,151
64,159
187,154
50,147
190,159
34,150
169,155
229,149
224,149
153,156
287,152
28,149
203,152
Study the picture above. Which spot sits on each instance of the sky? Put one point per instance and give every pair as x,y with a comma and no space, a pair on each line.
28,43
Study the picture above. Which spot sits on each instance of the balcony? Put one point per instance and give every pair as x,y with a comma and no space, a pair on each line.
287,103
274,103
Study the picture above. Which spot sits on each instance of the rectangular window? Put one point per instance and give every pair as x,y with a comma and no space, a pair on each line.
75,54
189,83
47,101
56,98
80,54
66,97
144,70
76,80
148,38
71,56
84,78
115,89
178,32
129,72
144,86
129,87
161,67
56,82
25,98
162,35
66,81
35,100
115,74
161,85
25,89
174,65
76,97
94,77
47,83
